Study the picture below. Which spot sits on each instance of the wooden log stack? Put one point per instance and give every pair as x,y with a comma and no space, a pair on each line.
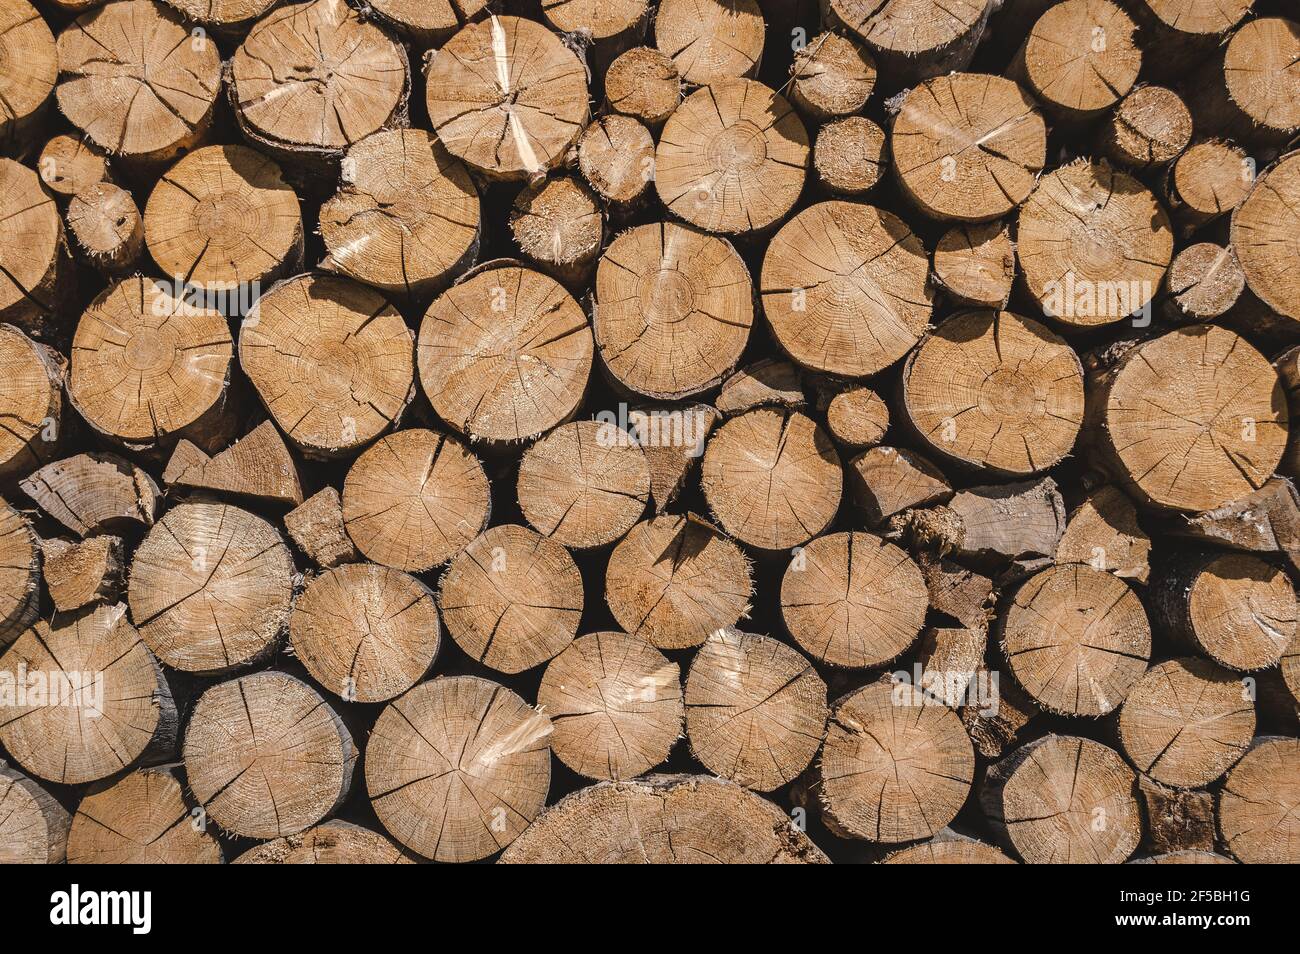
704,430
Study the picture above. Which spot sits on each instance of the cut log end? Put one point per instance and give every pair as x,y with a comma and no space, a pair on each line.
1204,282
849,155
330,843
1150,127
145,818
34,829
1080,58
711,40
616,156
31,402
857,417
69,164
557,223
976,264
644,84
831,77
1257,816
1264,229
32,248
106,226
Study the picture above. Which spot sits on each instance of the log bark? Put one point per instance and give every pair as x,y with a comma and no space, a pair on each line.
1256,805
1177,819
913,40
31,402
34,827
976,264
145,818
1150,127
831,78
557,224
849,155
87,571
95,493
316,528
1266,521
644,84
1263,236
1008,523
106,227
710,40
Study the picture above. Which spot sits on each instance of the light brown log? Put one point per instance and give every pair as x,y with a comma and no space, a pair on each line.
831,77
504,355
1103,532
332,361
616,154
267,756
896,765
526,111
145,818
28,69
257,466
1210,179
1266,521
732,158
958,592
1204,282
769,382
136,82
1176,819
106,227
950,657
673,442
609,26
415,499
1236,608
316,528
210,588
584,484
995,728
1264,230
664,819
995,391
33,826
644,84
949,848
313,78
1150,127
885,481
1063,800
1180,34
673,310
853,600
772,478
976,264
1020,522
857,417
68,164
557,224
149,368
427,23
105,705
710,40
512,599
31,402
33,252
612,721
849,155
458,767
83,572
331,842
755,709
366,633
913,40
1184,858
1250,90
224,17
95,493
1192,419
1257,806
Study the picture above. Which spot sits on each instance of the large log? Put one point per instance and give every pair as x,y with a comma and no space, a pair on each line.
145,818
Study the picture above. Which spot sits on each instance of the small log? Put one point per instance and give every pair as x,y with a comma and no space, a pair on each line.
673,442
612,722
1266,521
1177,819
31,402
1093,243
1257,817
267,756
69,164
673,310
949,848
316,527
711,40
968,147
88,571
512,599
1149,128
976,264
675,580
145,818
1210,179
515,121
732,158
33,251
149,368
331,842
1063,800
913,40
226,18
336,79
1236,608
610,27
1250,89
616,155
885,481
105,706
20,575
1181,34
772,478
557,224
258,466
769,382
427,24
712,821
27,49
644,84
853,600
755,709
1167,394
109,56
1103,532
95,493
223,218
950,658
844,288
210,588
954,590
415,499
366,633
584,484
1009,523
857,417
896,766
1204,282
849,155
1263,234
332,361
505,317
106,227
34,828
470,804
831,78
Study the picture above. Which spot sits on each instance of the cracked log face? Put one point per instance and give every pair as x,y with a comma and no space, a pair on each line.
897,765
1150,127
1077,639
313,78
108,704
512,599
644,84
31,245
1266,236
915,39
559,224
267,756
844,288
366,633
831,77
31,401
507,97
223,216
664,819
976,264
28,68
1259,807
997,391
732,158
1261,69
853,600
148,367
33,826
849,155
857,417
968,147
615,703
224,16
406,216
95,493
673,311
69,164
772,478
426,22
332,361
210,588
141,819
1204,282
1206,17
1080,58
710,40
106,226
415,499
1195,418
458,767
1211,179
135,81
330,843
505,355
20,570
616,155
